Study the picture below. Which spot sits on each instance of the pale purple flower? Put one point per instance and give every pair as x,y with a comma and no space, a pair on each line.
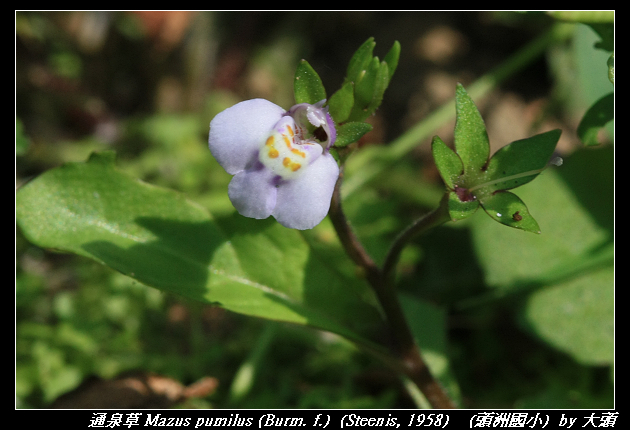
279,159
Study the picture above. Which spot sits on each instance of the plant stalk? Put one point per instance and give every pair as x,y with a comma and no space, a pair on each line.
410,358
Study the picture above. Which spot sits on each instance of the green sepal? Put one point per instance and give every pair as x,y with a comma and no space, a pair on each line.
341,102
392,58
508,209
351,132
364,85
521,156
471,138
380,85
458,209
307,85
360,60
447,161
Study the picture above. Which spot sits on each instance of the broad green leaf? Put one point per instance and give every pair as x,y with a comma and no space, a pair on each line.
351,132
519,158
576,316
509,209
471,138
574,208
428,325
341,102
156,236
360,60
597,116
307,85
447,161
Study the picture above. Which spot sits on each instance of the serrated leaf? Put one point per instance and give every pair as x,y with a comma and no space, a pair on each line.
156,236
471,138
596,117
360,60
519,158
341,102
351,132
507,208
307,85
447,161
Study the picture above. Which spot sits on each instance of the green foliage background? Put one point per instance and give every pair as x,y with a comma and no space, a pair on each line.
514,319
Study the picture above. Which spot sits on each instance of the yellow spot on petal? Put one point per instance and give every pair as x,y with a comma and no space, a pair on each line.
294,167
273,152
298,152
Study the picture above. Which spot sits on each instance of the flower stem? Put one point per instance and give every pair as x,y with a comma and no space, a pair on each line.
432,219
410,361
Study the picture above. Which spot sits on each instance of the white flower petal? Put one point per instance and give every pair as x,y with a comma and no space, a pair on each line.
237,133
302,203
253,193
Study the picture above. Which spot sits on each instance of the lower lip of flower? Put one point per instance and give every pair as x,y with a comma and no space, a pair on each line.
285,152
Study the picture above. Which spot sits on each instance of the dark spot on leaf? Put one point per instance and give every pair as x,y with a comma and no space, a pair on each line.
517,216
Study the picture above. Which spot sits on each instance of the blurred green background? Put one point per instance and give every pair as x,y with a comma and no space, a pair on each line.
529,318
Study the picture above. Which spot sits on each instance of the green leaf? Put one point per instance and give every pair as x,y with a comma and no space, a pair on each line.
575,316
471,138
307,85
458,209
521,157
156,236
569,269
380,85
364,86
428,324
597,116
341,102
447,161
507,208
351,132
360,60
